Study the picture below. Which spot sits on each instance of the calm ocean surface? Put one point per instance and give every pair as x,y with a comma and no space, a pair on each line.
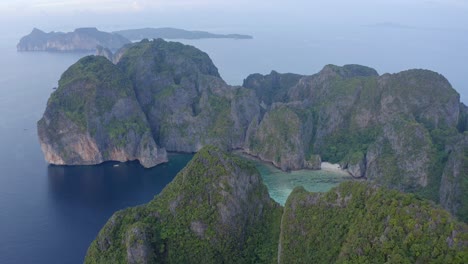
50,214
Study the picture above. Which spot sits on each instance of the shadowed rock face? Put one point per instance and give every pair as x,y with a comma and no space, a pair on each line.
453,195
82,39
94,116
217,210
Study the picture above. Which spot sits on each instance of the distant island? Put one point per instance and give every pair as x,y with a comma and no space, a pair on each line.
87,39
174,33
82,39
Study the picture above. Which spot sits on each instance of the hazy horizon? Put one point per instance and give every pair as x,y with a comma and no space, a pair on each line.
209,14
440,25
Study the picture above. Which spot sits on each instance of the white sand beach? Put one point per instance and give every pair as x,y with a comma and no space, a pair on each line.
327,166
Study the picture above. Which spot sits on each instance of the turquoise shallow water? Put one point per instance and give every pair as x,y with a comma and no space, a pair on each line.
280,184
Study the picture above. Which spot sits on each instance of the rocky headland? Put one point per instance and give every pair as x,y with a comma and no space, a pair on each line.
82,39
94,116
405,131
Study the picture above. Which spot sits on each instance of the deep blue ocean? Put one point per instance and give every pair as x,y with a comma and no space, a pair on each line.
50,214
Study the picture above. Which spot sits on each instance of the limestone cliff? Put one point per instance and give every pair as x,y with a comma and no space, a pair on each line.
82,39
453,190
94,116
187,104
216,210
282,136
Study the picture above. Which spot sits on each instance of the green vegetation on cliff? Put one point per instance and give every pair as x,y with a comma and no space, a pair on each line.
216,210
90,77
360,223
343,145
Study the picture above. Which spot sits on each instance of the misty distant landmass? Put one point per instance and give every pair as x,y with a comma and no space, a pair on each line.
87,39
174,33
82,39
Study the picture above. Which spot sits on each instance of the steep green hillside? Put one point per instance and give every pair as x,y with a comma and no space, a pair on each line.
357,222
216,210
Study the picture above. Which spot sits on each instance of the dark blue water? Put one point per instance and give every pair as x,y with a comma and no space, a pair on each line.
51,214
60,212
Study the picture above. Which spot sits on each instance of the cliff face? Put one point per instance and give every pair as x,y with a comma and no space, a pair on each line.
216,210
82,39
282,136
187,104
94,116
360,223
453,190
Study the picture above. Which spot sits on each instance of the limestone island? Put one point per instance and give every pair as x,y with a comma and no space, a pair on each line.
82,39
405,131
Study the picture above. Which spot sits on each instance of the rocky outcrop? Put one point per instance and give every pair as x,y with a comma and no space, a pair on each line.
94,116
355,164
216,210
273,87
113,57
313,163
281,136
82,39
105,52
359,222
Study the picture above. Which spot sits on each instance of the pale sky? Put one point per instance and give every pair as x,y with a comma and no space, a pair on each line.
193,14
137,5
